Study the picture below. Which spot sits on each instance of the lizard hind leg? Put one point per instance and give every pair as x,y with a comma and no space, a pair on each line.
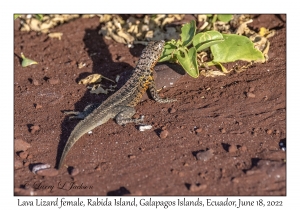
125,115
81,115
155,95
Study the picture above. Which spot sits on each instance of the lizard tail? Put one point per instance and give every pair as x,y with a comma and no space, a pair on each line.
82,128
74,137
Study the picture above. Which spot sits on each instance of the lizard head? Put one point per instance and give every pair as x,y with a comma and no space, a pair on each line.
152,53
154,49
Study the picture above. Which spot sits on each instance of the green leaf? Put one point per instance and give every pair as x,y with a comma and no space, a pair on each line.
212,63
188,31
188,60
225,18
168,51
206,39
26,61
39,17
235,47
214,18
16,16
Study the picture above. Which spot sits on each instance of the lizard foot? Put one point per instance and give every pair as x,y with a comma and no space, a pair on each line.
165,100
78,115
81,115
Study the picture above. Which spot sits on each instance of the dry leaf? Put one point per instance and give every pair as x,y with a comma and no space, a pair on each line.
49,21
126,36
56,35
211,73
140,29
81,65
93,78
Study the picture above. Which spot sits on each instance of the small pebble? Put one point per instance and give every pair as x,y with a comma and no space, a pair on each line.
163,128
164,109
164,134
53,81
38,167
38,106
18,164
154,124
23,155
73,63
223,130
21,145
232,149
251,89
172,110
121,58
35,82
250,95
179,117
244,148
131,156
198,130
205,155
74,172
269,131
145,127
195,188
34,128
174,171
185,164
98,168
47,172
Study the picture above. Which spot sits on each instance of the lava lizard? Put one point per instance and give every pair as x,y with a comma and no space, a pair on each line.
120,105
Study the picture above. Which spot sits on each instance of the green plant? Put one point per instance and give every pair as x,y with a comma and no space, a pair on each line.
16,16
185,54
26,61
223,47
221,17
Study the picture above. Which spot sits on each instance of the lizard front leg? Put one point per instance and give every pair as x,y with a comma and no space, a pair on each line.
81,115
156,97
124,115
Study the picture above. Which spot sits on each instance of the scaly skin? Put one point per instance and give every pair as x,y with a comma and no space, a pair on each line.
120,105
